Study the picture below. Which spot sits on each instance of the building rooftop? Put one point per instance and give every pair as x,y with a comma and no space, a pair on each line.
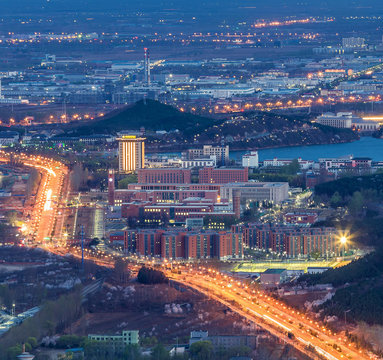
274,271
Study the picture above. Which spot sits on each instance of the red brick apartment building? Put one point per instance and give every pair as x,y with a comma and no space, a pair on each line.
184,244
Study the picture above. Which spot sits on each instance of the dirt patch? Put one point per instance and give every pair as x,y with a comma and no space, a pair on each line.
298,301
372,333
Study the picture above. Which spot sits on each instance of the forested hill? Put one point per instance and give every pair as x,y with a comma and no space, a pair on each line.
150,114
360,289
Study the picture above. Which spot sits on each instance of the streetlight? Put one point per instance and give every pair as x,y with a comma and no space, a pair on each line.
343,241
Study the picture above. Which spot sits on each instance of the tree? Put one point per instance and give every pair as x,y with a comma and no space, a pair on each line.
11,217
201,350
13,351
32,182
335,199
5,181
69,341
293,168
356,203
240,350
33,342
160,353
133,352
315,255
151,276
130,179
148,341
121,271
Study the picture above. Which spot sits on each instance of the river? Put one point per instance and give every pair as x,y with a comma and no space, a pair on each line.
365,147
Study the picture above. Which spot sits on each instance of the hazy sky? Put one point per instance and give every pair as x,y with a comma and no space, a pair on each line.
291,6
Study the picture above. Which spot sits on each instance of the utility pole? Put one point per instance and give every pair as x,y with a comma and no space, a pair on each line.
82,248
345,315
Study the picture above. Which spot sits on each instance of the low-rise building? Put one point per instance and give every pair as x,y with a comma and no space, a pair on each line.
273,192
8,137
304,164
128,337
339,120
224,341
365,125
210,161
317,270
273,277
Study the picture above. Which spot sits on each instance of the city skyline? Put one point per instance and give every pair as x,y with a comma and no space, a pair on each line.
191,180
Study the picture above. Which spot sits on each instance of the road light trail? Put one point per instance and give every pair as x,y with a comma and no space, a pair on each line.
48,200
273,315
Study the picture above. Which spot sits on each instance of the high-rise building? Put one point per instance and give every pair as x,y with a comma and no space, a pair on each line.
131,153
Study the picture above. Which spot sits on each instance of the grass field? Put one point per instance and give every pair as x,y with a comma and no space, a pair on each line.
262,266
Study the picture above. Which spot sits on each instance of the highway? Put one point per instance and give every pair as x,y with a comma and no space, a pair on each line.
46,216
288,324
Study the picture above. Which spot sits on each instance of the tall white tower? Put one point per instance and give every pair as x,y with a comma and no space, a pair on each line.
147,66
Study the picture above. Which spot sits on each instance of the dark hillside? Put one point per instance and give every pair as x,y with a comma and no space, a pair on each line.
150,114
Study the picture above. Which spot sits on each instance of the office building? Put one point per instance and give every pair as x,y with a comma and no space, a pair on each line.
164,176
221,153
250,160
343,120
223,175
131,153
272,192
